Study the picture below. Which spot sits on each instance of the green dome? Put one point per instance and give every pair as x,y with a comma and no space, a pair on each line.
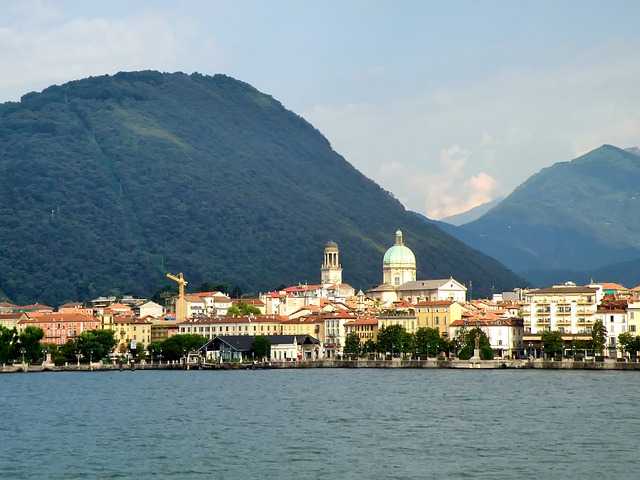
399,254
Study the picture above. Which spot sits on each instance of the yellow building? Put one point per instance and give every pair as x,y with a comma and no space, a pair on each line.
438,314
162,329
128,331
219,326
312,325
365,328
633,318
408,320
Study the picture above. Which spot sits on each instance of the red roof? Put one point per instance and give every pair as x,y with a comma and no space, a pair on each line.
55,317
434,303
612,286
363,321
227,320
488,321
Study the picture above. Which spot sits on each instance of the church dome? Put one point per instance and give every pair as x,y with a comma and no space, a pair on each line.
399,254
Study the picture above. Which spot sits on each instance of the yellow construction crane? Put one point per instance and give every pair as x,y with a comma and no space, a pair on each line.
181,303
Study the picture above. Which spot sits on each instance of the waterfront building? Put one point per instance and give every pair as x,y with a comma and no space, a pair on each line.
405,318
399,279
247,325
505,334
10,320
213,304
335,332
438,314
613,315
285,348
129,332
566,308
366,328
58,327
312,325
633,318
162,329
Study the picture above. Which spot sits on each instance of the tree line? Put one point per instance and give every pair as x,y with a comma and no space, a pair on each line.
394,340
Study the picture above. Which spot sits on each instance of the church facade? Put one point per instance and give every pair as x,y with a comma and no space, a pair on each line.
399,280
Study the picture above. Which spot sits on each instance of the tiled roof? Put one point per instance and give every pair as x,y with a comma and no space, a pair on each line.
488,322
230,320
612,286
41,317
435,303
561,290
363,321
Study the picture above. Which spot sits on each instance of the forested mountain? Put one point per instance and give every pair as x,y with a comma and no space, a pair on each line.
579,216
107,183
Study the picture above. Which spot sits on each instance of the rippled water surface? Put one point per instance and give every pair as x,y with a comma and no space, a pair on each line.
308,424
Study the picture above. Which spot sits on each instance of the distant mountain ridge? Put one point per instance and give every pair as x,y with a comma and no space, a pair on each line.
576,216
472,214
109,182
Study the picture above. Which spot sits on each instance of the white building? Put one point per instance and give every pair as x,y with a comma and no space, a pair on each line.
615,321
565,308
149,309
505,334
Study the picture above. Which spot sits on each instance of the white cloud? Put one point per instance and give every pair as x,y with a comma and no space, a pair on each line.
39,46
504,127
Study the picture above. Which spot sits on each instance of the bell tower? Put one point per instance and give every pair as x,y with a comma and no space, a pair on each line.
331,270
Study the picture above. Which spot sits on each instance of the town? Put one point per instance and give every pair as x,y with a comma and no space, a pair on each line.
402,317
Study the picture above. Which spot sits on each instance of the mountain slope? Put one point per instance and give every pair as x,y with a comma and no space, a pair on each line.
577,215
472,214
106,183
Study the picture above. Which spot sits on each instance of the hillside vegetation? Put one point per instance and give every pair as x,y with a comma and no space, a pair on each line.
109,182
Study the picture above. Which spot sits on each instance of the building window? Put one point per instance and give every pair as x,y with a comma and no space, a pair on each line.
632,328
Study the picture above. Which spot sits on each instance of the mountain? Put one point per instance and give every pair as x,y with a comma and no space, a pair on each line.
472,214
573,216
109,182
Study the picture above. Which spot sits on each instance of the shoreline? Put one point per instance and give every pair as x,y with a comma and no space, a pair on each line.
376,364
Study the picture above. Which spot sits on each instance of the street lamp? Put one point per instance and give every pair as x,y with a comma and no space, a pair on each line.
160,356
23,351
78,355
90,359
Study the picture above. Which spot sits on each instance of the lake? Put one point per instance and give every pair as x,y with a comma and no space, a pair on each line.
321,423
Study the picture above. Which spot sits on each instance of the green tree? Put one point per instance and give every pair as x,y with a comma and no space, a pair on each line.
369,347
242,309
177,346
261,347
352,345
8,338
467,340
95,344
407,343
428,341
625,339
598,336
29,341
390,339
552,343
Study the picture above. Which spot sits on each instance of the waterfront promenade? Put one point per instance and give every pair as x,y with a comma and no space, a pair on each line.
345,364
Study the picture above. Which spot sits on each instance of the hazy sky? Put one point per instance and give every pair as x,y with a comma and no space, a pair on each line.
446,104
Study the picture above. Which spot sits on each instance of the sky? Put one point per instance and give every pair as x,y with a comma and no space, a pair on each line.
445,104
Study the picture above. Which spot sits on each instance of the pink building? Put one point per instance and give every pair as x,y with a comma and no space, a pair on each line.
59,327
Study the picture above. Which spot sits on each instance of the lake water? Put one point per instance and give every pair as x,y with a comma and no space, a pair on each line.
316,424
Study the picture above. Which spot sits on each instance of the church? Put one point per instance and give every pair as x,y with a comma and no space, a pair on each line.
399,280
